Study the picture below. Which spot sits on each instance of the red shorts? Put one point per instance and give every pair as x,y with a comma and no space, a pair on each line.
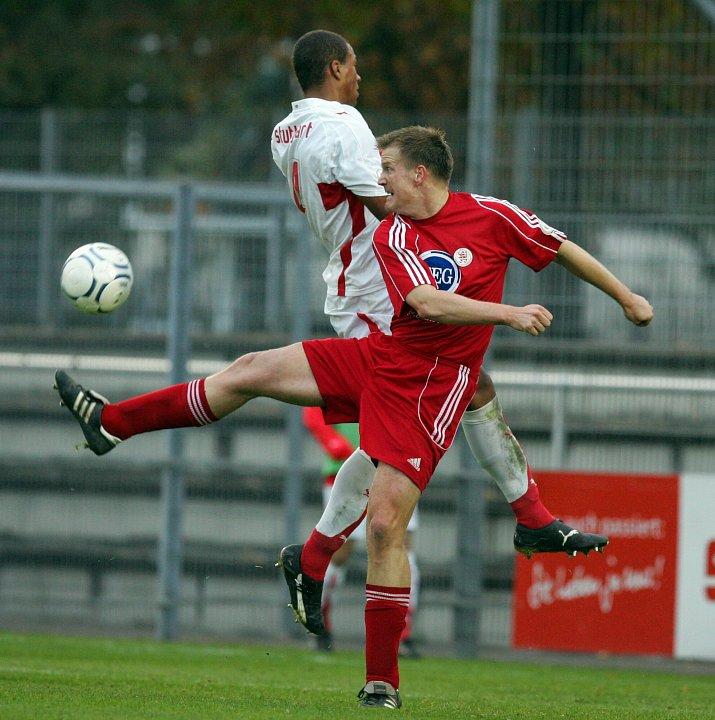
409,406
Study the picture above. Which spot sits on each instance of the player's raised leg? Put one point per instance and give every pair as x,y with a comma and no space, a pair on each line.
497,450
393,497
283,374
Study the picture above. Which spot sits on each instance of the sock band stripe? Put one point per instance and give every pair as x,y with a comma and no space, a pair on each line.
398,603
199,404
192,403
400,598
194,399
387,594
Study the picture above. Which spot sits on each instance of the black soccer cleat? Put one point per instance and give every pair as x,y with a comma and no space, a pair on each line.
379,694
557,537
86,406
305,593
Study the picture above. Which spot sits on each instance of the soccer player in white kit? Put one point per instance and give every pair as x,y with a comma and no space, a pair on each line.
330,159
328,155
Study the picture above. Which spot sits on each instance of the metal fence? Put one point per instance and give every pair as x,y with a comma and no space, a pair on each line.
83,539
246,244
603,125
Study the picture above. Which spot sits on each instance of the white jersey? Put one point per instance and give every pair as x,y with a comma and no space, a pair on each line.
328,155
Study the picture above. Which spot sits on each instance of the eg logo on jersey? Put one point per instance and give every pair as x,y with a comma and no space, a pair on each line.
444,269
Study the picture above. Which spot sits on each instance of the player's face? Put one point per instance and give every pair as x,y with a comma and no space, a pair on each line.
398,179
350,80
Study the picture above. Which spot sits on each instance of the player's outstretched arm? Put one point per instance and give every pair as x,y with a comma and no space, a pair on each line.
451,309
583,265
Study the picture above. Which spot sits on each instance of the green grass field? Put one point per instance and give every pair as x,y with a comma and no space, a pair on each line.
43,678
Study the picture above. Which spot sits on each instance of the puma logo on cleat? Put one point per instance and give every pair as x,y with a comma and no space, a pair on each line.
415,462
566,537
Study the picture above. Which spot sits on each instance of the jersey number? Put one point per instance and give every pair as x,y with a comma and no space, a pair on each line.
295,177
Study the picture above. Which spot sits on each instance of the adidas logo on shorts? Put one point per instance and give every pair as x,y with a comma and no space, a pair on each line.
415,462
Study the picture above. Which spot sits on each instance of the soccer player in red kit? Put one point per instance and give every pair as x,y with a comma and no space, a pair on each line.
409,389
328,155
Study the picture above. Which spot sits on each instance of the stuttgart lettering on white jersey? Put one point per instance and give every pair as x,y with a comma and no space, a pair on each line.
328,155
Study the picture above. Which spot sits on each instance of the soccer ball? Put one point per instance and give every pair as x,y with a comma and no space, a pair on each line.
97,278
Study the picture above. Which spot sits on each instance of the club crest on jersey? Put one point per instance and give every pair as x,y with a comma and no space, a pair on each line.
463,257
445,271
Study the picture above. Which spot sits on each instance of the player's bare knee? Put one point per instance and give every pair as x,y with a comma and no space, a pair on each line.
244,373
383,530
485,392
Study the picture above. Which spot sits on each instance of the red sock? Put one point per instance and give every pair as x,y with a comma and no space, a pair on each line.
177,406
529,510
385,611
319,549
407,631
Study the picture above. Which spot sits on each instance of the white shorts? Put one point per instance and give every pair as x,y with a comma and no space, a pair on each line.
358,316
358,533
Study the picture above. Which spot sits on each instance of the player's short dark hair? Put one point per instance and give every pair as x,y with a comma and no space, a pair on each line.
422,146
313,52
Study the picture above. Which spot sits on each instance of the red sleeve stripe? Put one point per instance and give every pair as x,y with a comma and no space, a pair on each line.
412,265
532,221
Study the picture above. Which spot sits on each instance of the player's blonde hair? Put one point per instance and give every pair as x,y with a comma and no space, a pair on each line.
422,146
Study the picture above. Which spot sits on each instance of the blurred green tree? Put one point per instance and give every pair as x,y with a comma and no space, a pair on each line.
217,56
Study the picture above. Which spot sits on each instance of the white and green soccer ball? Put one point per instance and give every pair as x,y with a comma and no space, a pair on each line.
97,278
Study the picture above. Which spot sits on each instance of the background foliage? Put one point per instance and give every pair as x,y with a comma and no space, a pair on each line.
218,56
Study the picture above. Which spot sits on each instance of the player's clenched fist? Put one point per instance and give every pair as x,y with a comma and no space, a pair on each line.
532,319
638,310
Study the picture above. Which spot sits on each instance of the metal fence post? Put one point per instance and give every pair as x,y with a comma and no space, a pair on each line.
300,330
481,115
558,428
479,177
48,163
471,518
172,486
275,247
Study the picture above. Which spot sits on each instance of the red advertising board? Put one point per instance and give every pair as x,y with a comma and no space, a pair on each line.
622,601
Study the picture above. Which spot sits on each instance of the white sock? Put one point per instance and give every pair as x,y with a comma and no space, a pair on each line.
348,498
496,449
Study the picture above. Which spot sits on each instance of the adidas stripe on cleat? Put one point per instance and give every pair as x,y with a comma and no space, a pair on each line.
379,694
557,537
305,593
86,406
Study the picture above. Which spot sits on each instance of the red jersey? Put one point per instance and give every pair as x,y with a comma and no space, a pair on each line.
465,248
